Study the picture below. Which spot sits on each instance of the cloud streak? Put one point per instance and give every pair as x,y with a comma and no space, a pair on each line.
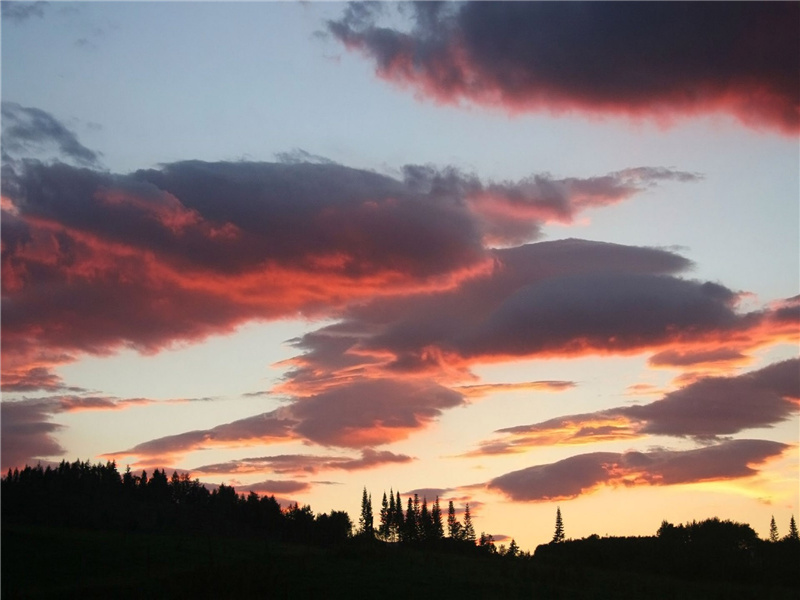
705,410
585,473
663,60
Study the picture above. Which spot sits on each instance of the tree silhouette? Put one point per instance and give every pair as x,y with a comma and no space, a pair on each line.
436,519
513,548
468,531
773,530
793,535
558,535
365,521
383,529
453,526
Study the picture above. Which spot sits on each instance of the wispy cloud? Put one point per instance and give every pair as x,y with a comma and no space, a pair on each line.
584,473
705,409
29,130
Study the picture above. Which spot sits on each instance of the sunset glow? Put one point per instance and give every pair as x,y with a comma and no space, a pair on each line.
419,247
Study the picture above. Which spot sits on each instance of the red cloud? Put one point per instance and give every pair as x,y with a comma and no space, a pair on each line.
93,261
359,414
641,60
584,473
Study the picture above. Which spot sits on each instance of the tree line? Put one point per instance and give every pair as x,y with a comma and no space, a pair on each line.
97,496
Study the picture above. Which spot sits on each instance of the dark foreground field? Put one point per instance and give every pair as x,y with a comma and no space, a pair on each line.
49,562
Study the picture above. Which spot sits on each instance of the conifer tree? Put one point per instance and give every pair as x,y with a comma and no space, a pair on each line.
411,525
365,521
399,523
513,549
436,519
392,519
425,521
793,535
468,531
383,529
558,535
453,526
773,530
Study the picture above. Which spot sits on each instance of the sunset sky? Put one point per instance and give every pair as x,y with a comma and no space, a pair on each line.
518,255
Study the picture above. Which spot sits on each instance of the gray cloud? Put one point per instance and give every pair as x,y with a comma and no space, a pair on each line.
28,129
658,60
584,473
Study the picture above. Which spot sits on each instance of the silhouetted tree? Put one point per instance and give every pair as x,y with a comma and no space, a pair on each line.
411,531
773,530
436,520
425,521
513,548
453,526
383,528
558,534
398,521
792,535
486,543
365,521
468,531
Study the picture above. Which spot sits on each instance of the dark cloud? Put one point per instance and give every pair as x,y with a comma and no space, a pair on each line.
359,414
273,486
31,130
645,59
563,298
584,473
28,433
306,464
94,261
705,409
22,11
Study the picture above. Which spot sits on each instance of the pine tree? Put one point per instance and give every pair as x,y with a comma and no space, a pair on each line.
425,521
793,535
365,521
468,531
558,535
411,525
453,526
383,529
513,549
773,530
436,519
399,523
392,518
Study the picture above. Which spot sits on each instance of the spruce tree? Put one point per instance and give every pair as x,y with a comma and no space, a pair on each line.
468,531
453,526
425,521
411,525
773,530
365,521
392,518
398,518
513,549
383,529
436,519
558,535
793,535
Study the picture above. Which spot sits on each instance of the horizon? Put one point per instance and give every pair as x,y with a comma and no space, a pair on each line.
478,251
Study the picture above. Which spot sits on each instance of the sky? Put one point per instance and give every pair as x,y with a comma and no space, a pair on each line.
521,256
